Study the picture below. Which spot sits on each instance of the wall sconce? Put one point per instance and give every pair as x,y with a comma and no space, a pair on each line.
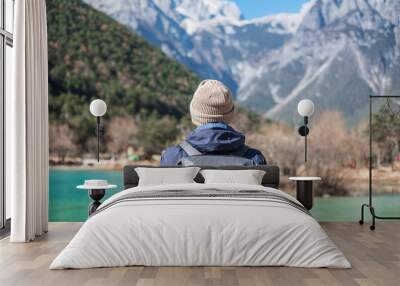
98,108
305,109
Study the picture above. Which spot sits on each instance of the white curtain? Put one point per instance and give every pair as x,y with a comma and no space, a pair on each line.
27,123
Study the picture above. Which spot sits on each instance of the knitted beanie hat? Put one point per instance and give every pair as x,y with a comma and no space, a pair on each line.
211,102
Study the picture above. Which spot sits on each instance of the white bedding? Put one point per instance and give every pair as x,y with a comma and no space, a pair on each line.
183,231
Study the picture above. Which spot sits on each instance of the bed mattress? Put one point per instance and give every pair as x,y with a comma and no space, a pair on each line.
201,225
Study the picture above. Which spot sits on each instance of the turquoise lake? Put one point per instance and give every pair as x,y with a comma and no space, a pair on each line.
66,203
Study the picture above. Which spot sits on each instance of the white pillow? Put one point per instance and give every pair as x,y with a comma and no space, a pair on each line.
247,177
166,176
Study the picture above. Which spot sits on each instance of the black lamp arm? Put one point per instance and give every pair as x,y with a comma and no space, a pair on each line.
303,131
98,137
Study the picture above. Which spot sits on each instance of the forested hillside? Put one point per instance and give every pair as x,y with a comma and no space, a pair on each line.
92,56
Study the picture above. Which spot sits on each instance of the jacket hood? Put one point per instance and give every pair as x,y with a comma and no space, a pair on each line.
215,138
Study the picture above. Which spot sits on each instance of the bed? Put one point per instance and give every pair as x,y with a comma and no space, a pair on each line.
197,224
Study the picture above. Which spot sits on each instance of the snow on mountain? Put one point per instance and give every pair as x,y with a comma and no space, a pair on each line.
198,13
389,9
341,52
209,36
283,22
170,25
333,51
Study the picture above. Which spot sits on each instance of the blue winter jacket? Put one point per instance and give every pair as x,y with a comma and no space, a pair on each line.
212,138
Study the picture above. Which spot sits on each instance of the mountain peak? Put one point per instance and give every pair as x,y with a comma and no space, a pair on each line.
195,14
208,9
324,12
288,22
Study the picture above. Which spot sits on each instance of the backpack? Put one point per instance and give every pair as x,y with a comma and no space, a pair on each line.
196,158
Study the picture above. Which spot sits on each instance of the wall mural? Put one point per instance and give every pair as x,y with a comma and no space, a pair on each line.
146,61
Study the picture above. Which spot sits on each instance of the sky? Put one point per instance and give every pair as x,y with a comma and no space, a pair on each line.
258,8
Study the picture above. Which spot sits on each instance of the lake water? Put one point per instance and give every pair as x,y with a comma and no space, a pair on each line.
66,203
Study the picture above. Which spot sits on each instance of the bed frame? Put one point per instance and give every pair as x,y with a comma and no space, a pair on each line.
271,177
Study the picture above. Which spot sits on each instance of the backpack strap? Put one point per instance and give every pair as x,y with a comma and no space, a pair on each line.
240,152
189,149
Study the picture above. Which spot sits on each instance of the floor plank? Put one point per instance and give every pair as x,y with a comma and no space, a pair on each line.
375,257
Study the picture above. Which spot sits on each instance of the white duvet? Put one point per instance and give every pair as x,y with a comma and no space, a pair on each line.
201,231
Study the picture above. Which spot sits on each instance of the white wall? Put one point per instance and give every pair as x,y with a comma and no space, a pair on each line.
9,27
8,85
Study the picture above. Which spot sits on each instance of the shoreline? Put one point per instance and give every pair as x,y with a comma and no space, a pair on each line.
113,166
83,168
353,175
385,181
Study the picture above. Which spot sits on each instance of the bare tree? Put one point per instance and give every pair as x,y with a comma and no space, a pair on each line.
280,145
121,133
61,139
332,147
332,144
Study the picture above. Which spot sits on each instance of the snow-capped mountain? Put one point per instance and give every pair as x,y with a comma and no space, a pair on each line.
208,36
333,51
341,52
171,25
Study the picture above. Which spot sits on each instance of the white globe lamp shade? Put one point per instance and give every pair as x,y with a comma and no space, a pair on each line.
305,107
98,107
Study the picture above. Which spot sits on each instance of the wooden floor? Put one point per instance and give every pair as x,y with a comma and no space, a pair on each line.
375,257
